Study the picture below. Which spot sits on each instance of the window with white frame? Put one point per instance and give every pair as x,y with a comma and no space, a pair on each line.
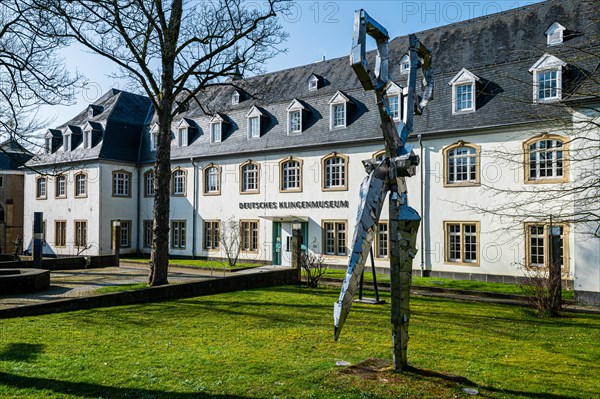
87,139
249,183
405,64
547,78
538,247
178,234
80,185
212,234
154,137
40,191
212,180
334,173
61,186
291,175
80,233
338,111
463,91
48,145
148,233
121,184
313,83
462,242
182,136
295,115
235,98
179,182
60,233
334,238
254,127
394,105
249,229
215,132
545,159
149,183
461,164
67,142
383,237
555,34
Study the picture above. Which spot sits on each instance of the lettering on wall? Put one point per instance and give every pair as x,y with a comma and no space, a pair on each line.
295,205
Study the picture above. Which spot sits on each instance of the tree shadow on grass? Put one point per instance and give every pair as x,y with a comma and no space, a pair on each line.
20,352
454,379
89,390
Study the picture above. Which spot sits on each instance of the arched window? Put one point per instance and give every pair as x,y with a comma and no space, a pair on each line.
212,180
80,185
461,164
335,170
40,188
149,183
290,175
545,159
61,186
379,155
250,178
178,180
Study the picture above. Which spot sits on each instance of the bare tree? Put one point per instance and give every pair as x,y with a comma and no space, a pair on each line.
31,73
229,238
171,51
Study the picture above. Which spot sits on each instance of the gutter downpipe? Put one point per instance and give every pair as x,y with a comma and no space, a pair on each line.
139,204
422,251
194,206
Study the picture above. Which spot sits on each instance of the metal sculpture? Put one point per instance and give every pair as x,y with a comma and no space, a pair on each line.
387,176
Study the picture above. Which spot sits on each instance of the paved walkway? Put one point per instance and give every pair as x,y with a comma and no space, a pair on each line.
79,283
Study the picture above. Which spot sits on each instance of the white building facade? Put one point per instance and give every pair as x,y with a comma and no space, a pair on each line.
287,147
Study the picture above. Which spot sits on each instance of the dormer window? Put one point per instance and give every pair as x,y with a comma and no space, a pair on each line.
555,34
254,122
154,137
295,117
394,94
182,137
87,139
313,82
217,128
405,64
47,145
547,79
235,98
183,132
463,92
67,143
338,111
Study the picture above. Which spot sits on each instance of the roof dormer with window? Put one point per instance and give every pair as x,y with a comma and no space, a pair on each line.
217,128
154,137
52,141
183,130
314,82
405,64
547,79
255,118
91,134
394,95
71,138
237,96
296,113
464,92
338,111
555,34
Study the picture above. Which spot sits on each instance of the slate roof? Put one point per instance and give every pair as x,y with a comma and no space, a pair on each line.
118,120
13,155
499,49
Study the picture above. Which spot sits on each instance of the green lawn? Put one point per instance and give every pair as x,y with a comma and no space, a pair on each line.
214,264
446,283
277,343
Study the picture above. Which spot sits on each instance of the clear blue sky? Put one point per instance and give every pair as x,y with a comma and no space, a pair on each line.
317,29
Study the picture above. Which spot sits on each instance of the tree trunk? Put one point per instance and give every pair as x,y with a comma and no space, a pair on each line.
159,260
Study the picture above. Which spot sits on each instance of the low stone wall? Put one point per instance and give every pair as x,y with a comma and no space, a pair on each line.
162,293
17,281
71,263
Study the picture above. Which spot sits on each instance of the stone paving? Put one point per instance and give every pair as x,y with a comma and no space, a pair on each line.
80,283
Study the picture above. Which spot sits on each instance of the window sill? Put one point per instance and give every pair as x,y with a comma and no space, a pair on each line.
212,193
334,188
547,181
249,192
452,263
462,184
